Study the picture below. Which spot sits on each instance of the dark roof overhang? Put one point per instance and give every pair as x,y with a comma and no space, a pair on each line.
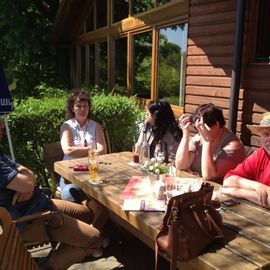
69,20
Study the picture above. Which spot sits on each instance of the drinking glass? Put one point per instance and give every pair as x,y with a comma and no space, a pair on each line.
93,165
136,155
217,198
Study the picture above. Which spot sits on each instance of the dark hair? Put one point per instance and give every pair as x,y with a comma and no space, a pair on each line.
164,120
210,113
77,95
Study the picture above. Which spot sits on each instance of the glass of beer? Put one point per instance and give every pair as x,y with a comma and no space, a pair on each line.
93,169
92,165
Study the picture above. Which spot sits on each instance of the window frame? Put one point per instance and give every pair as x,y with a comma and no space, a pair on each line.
168,14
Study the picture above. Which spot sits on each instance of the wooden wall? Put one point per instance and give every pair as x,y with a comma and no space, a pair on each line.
209,64
210,53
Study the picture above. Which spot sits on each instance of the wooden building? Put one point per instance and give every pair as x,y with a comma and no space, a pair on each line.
187,51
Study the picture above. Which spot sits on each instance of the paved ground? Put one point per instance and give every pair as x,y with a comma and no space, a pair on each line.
124,252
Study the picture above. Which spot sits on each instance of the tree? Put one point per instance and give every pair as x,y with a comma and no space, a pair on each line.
26,49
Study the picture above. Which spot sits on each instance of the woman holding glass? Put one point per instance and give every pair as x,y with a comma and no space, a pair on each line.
79,134
161,131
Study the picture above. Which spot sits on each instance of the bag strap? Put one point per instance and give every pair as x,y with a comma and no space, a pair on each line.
211,220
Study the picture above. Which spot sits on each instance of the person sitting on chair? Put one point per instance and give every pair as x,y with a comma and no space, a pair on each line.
214,150
160,129
250,180
70,226
79,134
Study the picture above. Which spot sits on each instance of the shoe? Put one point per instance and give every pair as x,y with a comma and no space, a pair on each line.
97,253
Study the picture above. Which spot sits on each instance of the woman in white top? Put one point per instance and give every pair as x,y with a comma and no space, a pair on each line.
78,134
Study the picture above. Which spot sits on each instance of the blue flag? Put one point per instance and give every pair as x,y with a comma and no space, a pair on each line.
6,105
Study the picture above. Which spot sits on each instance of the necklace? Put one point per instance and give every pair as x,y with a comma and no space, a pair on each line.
84,136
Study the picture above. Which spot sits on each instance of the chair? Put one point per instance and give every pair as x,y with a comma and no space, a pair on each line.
53,152
13,253
107,138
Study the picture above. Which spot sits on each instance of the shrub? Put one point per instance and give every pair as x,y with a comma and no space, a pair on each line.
121,116
36,122
33,124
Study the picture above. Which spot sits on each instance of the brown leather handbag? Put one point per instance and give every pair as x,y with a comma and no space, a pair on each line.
190,224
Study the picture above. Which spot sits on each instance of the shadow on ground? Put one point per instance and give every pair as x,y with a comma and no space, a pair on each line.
124,252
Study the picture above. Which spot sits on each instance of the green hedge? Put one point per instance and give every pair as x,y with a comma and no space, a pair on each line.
36,122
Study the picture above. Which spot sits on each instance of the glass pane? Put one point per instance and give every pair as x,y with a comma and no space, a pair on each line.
120,65
91,65
101,6
162,2
142,60
171,63
103,66
120,10
90,21
83,74
263,33
140,6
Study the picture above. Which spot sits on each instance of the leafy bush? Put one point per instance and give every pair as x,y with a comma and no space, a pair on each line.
36,122
121,116
33,124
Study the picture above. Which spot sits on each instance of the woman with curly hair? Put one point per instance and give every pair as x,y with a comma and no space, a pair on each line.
79,134
160,127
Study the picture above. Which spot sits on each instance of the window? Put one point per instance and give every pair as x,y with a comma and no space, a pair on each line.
120,10
263,33
90,21
142,55
103,66
82,66
92,65
139,6
101,11
120,65
142,60
171,63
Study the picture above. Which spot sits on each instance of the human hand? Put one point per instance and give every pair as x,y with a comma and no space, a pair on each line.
20,197
204,130
263,193
185,123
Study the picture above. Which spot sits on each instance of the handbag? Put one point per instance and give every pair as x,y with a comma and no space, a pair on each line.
190,224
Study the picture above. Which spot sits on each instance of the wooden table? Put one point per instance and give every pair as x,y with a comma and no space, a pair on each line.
246,226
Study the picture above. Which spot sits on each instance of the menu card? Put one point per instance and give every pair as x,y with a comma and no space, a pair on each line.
138,196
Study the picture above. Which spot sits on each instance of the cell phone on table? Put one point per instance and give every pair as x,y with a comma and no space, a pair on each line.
230,202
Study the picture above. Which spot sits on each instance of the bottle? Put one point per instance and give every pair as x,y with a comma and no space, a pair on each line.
145,150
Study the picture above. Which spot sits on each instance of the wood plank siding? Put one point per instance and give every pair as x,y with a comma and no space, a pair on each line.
209,65
210,53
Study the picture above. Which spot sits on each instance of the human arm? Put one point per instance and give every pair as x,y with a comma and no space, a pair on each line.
184,157
68,146
221,150
23,183
253,191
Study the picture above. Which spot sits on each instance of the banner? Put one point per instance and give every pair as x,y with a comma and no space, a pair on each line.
6,105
